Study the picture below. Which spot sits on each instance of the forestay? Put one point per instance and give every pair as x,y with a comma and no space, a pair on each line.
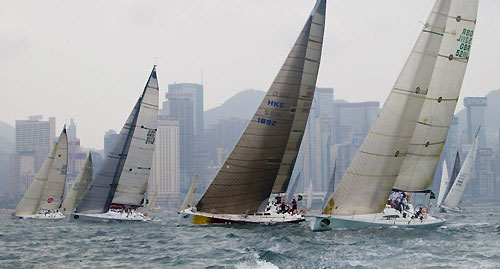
266,152
368,181
422,158
79,187
457,190
53,189
31,200
135,173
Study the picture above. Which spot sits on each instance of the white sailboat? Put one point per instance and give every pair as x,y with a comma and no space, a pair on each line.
43,198
445,181
120,184
189,201
402,149
79,187
454,196
262,161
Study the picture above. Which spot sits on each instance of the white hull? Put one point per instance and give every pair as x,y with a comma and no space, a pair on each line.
327,222
190,217
110,216
51,216
444,209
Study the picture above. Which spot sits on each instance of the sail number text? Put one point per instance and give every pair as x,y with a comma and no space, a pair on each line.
465,40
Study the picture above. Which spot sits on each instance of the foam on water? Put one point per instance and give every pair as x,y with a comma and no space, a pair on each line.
470,239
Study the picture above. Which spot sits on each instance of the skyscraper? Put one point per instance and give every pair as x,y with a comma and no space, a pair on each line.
72,129
185,103
476,107
165,170
109,140
317,164
354,120
34,139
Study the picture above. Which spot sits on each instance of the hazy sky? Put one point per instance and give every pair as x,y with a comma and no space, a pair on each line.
89,60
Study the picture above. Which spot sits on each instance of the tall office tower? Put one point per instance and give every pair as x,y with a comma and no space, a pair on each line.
476,107
71,129
109,140
224,134
165,171
353,121
185,102
76,156
34,139
180,106
485,175
317,164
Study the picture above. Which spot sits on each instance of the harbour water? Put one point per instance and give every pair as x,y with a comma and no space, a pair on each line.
470,239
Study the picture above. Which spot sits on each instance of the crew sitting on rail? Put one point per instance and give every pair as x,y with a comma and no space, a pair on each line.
294,206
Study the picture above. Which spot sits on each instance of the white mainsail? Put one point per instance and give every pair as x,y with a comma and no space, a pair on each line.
101,192
31,200
263,159
457,190
445,181
53,189
368,181
79,187
428,139
135,173
191,195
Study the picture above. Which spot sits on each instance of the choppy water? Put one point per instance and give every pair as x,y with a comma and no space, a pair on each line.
468,240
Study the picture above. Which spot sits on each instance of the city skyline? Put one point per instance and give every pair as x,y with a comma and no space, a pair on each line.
95,81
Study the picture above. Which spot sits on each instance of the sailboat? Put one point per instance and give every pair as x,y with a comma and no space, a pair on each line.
447,182
119,186
402,149
191,195
43,198
452,199
262,161
79,187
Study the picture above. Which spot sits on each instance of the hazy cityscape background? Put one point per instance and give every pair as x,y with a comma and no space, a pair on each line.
194,141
